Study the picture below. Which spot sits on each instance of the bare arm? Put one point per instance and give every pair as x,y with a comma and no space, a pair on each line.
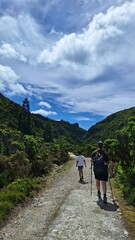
85,163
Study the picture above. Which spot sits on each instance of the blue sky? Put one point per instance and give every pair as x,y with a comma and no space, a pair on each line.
74,60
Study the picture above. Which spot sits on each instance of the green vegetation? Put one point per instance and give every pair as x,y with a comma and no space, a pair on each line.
15,117
122,153
127,210
30,145
17,192
107,128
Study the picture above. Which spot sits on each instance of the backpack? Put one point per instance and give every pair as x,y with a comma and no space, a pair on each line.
98,163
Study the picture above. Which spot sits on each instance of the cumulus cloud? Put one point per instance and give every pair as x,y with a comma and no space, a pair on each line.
44,112
44,104
88,70
7,50
8,75
104,34
21,37
8,81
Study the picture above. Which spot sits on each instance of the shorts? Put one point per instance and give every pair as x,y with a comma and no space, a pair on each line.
101,176
80,168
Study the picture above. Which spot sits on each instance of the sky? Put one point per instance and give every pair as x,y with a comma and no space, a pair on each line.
73,59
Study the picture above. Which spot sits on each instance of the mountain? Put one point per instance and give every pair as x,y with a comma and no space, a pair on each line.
61,130
107,128
11,113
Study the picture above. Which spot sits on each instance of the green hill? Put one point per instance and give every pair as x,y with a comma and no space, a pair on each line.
10,113
107,128
62,130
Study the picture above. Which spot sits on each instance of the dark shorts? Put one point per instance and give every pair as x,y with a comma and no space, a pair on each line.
80,168
101,177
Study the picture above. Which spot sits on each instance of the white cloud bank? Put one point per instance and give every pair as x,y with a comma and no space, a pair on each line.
98,45
44,112
91,71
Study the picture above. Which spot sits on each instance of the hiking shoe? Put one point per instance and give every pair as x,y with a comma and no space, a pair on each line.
105,200
99,195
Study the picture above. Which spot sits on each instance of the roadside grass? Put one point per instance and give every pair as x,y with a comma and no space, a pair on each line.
24,189
17,192
127,211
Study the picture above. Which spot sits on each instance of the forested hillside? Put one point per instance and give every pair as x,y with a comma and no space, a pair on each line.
30,145
108,127
13,116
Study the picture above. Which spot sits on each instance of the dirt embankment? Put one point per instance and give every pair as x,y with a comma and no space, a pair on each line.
67,211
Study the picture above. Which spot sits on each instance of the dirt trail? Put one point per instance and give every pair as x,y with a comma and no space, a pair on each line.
67,211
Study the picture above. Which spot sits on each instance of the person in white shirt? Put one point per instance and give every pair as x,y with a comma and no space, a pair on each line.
80,162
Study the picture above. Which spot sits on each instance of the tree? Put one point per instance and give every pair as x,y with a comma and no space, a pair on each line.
48,136
24,123
26,105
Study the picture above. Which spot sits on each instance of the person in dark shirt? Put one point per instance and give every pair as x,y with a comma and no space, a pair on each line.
99,160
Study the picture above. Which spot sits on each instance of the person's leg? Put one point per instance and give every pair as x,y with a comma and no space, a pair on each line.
98,188
80,172
104,187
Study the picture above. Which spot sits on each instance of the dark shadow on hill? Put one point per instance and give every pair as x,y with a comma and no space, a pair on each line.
112,207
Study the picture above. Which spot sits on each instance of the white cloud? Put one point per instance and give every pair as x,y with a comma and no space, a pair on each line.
83,119
44,112
7,50
96,45
8,75
44,104
91,70
21,36
16,89
8,82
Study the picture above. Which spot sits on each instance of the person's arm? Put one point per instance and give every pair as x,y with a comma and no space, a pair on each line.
85,163
106,160
93,156
91,159
76,162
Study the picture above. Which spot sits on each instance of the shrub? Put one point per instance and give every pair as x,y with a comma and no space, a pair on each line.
4,178
4,209
25,185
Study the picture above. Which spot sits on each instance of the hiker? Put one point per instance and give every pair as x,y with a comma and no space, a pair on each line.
99,160
80,162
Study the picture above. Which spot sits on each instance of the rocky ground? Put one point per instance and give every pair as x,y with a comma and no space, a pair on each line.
67,211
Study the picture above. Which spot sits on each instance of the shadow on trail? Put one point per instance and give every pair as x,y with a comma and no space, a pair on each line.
112,207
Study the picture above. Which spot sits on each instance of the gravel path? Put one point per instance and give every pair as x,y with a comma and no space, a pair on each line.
67,211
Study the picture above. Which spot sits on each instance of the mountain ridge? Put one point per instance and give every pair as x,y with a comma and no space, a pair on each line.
10,114
72,133
108,127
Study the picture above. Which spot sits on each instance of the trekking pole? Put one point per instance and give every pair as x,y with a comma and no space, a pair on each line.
91,178
111,186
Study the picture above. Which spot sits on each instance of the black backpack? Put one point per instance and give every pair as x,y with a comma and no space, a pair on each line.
98,163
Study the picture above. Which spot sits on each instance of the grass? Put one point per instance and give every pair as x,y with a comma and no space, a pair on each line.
23,189
127,211
17,192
